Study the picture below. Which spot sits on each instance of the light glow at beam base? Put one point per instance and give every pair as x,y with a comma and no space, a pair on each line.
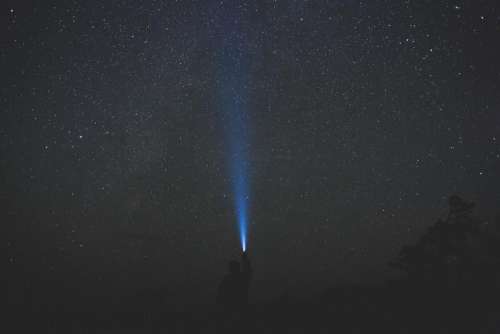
241,208
239,168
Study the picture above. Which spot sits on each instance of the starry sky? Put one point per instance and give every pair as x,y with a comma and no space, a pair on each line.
359,119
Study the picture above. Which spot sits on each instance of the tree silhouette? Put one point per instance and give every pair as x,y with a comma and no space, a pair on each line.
455,250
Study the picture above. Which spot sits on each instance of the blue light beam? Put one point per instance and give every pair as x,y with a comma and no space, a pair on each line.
237,136
241,200
232,88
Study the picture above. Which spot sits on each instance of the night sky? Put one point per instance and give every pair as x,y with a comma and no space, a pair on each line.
353,122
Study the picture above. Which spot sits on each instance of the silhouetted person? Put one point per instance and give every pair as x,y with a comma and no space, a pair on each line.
233,291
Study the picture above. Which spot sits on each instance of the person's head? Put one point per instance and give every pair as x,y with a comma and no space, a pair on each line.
234,267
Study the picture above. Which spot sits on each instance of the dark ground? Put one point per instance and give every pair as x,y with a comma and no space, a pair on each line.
393,307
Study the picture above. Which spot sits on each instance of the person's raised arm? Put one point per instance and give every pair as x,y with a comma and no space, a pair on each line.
246,267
